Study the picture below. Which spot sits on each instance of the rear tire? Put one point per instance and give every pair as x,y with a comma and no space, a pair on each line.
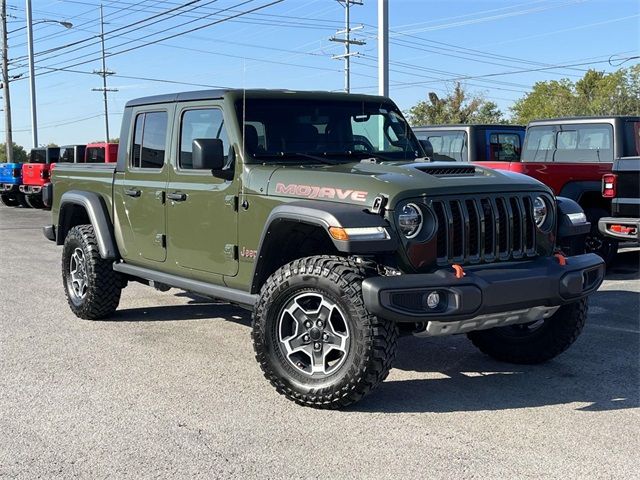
524,344
313,337
90,283
9,200
34,201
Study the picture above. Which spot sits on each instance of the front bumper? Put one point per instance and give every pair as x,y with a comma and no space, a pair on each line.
622,228
484,289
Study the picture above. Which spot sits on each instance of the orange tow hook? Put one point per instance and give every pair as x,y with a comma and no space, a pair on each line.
458,269
562,260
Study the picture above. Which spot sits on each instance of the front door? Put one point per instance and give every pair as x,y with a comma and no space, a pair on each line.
140,194
201,208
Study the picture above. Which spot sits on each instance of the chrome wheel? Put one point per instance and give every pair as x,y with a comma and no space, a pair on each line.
313,334
78,273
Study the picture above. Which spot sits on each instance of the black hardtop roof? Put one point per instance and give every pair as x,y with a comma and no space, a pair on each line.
253,93
466,126
585,119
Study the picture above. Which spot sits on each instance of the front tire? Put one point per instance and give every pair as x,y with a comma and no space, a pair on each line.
536,342
90,284
313,337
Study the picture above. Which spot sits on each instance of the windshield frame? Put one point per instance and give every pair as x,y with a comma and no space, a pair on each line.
374,106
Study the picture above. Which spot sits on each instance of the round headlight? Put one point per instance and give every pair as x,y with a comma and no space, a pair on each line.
540,211
410,220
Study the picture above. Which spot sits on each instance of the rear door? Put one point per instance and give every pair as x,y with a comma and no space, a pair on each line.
201,208
140,192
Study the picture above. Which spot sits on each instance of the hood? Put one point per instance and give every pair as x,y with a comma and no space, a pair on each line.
361,182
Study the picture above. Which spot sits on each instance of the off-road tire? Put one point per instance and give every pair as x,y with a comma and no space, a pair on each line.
34,201
550,339
373,341
103,284
9,200
596,242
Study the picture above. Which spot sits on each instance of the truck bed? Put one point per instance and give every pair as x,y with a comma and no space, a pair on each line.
93,177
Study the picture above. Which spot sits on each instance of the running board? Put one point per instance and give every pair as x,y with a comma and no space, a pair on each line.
243,299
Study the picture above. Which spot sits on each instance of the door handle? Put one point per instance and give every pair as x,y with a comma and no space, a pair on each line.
177,197
132,192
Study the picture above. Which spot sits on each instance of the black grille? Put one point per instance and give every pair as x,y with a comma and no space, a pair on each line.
484,229
449,171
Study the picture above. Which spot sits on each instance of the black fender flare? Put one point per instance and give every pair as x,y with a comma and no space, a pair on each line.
324,215
96,210
571,218
576,189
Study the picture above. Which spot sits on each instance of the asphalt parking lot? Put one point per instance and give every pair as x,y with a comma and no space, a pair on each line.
170,387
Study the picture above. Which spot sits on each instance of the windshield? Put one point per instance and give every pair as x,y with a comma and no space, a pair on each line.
308,129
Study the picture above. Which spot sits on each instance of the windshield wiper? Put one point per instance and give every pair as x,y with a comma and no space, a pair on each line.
296,155
364,155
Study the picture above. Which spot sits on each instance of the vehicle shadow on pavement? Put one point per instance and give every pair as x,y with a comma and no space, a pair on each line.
197,310
626,266
481,384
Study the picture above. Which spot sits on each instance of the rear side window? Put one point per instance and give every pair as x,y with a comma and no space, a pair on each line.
584,143
95,155
196,124
67,156
504,147
631,139
149,140
37,156
539,144
447,145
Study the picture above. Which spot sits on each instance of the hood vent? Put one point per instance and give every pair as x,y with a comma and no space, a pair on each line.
448,171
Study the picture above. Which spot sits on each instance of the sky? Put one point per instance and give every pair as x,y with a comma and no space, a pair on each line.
498,49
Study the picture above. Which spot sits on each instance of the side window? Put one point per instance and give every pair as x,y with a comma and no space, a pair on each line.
149,140
67,156
200,123
584,143
631,138
448,146
95,155
504,147
539,144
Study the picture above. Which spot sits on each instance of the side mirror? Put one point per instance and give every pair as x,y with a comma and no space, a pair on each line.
208,154
427,147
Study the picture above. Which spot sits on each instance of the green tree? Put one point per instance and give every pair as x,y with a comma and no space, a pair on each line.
457,107
596,93
19,153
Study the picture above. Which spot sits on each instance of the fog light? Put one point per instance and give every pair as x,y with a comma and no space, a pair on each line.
433,300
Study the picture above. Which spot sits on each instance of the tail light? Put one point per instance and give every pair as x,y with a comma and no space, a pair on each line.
17,172
44,174
609,182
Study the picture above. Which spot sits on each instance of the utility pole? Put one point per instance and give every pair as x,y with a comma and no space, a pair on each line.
32,76
104,73
5,85
348,41
383,48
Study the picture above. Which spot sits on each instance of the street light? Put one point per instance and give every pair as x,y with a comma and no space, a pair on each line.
32,78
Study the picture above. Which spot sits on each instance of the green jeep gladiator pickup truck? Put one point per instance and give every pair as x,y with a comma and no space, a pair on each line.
322,213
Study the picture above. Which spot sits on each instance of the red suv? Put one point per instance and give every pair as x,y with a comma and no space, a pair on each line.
571,155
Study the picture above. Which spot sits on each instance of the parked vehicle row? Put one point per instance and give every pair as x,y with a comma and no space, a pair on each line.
570,155
322,214
23,184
